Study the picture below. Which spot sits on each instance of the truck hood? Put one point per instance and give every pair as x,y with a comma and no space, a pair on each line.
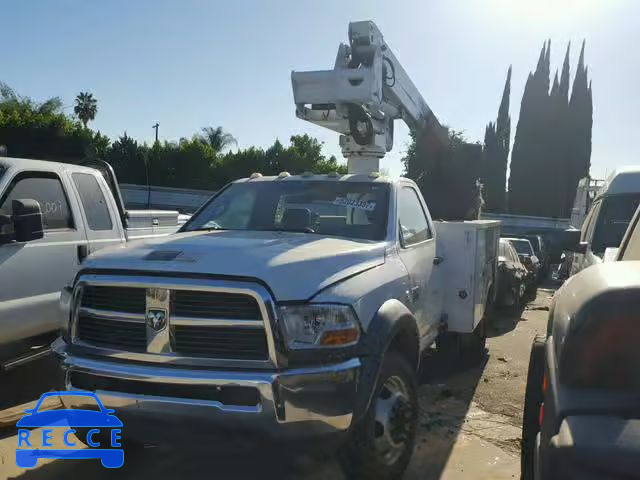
294,265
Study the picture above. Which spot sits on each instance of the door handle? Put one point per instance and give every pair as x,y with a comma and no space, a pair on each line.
83,252
437,260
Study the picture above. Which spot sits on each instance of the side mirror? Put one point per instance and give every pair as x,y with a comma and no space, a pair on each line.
528,262
6,225
580,247
27,220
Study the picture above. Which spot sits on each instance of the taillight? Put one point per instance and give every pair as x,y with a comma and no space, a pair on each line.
603,354
545,387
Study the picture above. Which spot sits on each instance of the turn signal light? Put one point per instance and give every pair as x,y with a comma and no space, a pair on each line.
340,337
541,415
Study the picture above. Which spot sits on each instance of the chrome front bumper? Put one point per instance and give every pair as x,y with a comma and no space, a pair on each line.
297,401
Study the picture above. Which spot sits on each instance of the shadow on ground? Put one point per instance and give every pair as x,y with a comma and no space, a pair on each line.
445,399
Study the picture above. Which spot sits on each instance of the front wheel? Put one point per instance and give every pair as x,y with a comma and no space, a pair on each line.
382,442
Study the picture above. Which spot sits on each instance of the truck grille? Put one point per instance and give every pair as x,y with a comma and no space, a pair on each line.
118,299
200,304
202,324
229,342
131,336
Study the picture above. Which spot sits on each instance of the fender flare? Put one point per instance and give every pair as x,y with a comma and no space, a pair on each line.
392,322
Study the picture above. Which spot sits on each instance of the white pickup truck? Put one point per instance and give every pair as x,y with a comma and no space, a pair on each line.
52,215
288,305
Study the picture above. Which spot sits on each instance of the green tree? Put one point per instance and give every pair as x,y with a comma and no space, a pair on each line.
128,159
86,107
39,130
530,158
497,140
580,127
448,178
552,148
217,138
11,101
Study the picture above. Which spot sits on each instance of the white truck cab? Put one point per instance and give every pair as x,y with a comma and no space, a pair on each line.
291,304
608,219
76,214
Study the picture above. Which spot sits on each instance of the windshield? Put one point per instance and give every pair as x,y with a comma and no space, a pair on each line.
346,209
535,243
614,218
523,247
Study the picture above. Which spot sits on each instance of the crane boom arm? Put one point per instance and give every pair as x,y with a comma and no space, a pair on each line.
362,96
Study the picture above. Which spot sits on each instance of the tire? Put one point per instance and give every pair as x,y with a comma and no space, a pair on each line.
374,450
474,345
466,348
516,296
533,398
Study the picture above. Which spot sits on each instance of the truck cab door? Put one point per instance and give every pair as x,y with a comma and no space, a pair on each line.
417,250
33,273
100,215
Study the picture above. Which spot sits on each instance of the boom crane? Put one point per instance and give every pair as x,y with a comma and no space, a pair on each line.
362,96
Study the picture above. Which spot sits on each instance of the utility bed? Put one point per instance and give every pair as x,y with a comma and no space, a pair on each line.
470,251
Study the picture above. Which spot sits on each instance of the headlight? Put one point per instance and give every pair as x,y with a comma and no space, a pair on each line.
319,325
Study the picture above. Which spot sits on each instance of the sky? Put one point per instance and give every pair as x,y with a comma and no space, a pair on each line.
188,64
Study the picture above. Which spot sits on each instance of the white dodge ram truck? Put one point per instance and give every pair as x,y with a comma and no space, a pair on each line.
288,304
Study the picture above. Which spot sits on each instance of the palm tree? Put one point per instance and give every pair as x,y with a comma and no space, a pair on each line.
86,107
217,138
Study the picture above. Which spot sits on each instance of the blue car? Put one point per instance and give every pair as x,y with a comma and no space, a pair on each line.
103,419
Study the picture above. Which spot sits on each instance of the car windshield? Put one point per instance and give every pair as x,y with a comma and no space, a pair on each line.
535,243
523,247
338,208
614,218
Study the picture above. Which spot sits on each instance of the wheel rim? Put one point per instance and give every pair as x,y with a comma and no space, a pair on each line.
392,423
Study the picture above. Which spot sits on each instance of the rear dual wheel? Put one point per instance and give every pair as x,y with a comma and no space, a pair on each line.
468,348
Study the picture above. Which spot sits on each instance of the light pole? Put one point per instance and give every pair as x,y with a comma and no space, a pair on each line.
155,127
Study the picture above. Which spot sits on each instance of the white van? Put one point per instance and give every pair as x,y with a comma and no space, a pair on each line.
608,219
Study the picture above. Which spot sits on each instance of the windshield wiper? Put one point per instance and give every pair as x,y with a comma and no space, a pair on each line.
293,230
206,229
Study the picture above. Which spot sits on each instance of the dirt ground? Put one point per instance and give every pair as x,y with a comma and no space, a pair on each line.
469,424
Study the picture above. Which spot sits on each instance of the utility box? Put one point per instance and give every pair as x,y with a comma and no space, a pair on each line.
470,261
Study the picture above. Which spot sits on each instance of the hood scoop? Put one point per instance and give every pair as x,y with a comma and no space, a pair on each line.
163,255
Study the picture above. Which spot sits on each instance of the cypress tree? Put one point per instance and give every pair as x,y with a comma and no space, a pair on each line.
528,196
579,131
497,140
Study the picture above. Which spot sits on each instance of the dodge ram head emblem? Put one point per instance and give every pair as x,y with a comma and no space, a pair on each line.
157,318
